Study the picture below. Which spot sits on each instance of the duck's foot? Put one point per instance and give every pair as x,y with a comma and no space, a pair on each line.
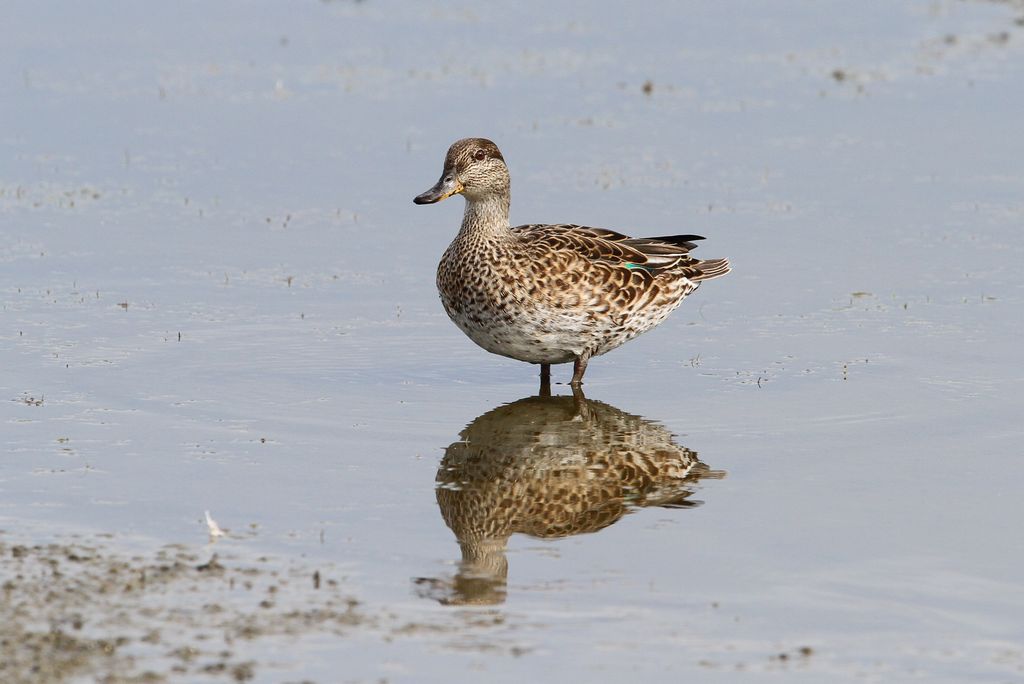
581,409
579,367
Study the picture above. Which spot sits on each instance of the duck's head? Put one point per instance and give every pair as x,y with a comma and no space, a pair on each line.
473,167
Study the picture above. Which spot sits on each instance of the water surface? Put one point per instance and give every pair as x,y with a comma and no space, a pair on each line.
216,294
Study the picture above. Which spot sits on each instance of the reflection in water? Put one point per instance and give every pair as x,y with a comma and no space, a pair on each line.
550,467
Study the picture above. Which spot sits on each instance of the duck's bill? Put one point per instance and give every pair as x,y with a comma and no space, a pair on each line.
446,187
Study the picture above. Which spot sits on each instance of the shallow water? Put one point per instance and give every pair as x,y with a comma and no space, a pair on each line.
216,294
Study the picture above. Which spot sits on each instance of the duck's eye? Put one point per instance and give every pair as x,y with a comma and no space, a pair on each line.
479,155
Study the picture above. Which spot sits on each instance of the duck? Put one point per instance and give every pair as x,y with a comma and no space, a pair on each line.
551,467
557,293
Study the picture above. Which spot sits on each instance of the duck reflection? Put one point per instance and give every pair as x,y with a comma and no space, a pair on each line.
550,467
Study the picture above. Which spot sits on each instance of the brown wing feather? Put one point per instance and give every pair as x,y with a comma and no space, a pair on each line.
592,243
655,254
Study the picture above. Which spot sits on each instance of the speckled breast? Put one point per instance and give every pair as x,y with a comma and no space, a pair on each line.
501,317
507,315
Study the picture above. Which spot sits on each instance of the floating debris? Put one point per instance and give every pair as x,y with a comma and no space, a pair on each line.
213,527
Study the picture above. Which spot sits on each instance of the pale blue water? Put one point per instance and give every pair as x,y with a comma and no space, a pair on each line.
242,174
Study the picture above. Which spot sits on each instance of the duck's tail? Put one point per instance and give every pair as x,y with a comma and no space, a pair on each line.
711,268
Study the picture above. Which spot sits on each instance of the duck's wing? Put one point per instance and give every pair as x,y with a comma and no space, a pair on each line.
654,255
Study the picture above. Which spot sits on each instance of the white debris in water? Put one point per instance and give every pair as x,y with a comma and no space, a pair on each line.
213,527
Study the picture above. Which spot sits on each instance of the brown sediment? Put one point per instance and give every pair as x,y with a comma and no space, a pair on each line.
83,610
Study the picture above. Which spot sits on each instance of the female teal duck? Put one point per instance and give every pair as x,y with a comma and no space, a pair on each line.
551,293
551,467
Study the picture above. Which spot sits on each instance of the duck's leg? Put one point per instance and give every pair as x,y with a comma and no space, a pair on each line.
580,407
579,368
545,379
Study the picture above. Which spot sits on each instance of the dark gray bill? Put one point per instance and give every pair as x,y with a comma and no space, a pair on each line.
446,187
